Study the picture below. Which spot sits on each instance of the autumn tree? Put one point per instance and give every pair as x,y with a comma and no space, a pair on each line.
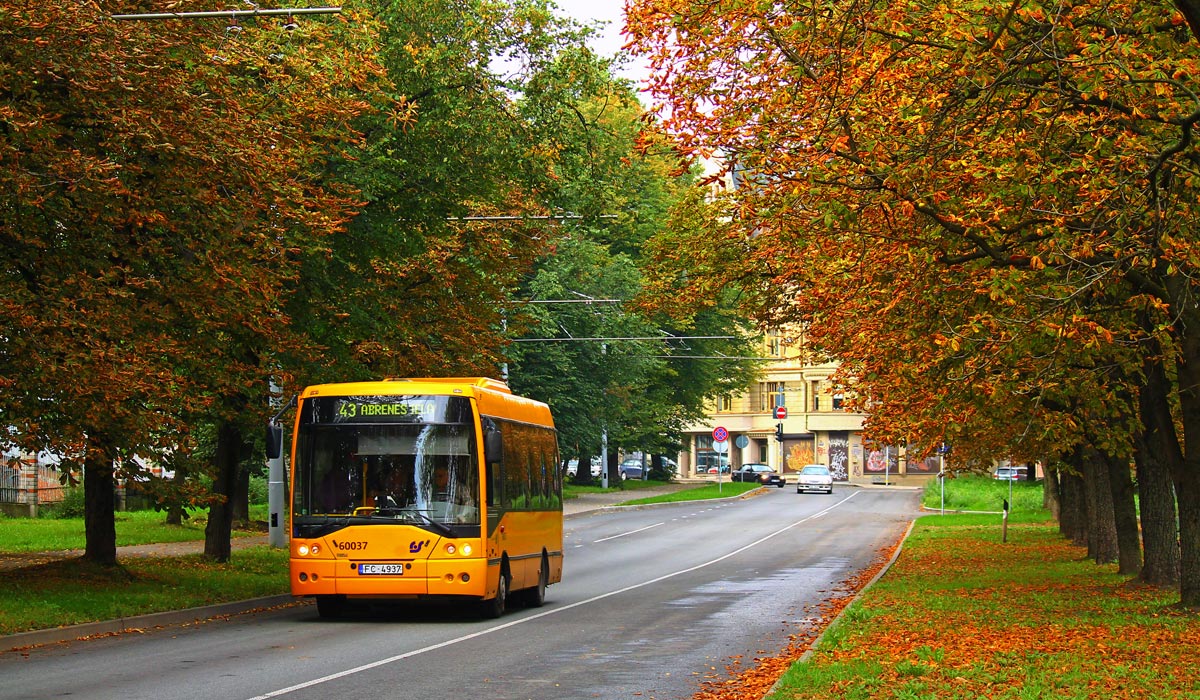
981,210
158,181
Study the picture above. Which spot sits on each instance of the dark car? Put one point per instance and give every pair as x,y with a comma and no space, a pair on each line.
761,473
631,469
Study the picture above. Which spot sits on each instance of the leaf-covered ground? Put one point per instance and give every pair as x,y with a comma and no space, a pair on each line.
962,615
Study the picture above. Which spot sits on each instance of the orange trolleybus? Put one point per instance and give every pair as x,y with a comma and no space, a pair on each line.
424,489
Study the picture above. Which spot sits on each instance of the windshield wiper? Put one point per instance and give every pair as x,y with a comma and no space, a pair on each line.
324,527
437,525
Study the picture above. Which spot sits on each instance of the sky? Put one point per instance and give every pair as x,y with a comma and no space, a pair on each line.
611,39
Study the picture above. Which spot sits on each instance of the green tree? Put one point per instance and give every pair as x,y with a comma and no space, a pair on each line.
634,380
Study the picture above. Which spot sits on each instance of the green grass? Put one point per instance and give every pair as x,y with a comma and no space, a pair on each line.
24,535
72,591
983,493
632,486
571,490
700,493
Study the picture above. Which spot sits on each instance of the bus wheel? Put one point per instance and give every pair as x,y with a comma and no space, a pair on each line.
536,597
494,608
331,607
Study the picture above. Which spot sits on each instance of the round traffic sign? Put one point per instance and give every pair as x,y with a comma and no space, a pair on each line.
780,412
720,434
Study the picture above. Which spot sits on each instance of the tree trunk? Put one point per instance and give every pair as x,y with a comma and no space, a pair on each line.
1051,491
1157,450
219,531
241,496
583,471
1102,529
1189,537
1125,520
175,511
1074,520
1187,473
99,503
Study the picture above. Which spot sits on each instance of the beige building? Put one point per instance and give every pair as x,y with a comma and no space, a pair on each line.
816,429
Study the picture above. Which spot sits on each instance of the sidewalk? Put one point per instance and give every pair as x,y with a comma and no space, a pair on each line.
576,507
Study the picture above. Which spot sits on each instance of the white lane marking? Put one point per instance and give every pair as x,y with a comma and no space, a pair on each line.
555,611
631,532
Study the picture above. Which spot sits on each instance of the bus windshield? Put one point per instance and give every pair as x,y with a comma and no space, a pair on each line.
408,467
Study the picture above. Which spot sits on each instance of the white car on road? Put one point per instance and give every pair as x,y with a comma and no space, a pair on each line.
815,477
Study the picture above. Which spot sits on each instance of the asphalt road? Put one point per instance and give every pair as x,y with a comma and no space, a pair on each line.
654,602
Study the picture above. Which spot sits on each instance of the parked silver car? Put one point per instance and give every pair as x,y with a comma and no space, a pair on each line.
1011,473
573,466
814,477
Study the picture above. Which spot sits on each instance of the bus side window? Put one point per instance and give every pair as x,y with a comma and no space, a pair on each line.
493,454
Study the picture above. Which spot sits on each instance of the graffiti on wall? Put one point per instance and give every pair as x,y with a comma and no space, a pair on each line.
882,460
839,454
799,453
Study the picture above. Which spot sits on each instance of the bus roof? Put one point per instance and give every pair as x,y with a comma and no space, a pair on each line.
494,397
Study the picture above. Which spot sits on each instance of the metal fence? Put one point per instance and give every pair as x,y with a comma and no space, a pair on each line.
26,482
44,495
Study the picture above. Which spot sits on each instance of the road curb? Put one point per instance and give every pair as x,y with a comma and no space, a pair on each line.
58,635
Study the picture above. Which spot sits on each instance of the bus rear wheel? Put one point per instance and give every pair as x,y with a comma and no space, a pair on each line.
495,607
536,597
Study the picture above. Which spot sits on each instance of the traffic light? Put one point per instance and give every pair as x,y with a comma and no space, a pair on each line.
779,432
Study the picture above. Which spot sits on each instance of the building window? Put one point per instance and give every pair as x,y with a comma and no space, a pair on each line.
774,344
724,404
771,395
837,402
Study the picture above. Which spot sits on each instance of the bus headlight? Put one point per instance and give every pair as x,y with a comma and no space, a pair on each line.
302,550
466,550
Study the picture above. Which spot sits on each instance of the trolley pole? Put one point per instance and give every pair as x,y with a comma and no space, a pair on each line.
231,14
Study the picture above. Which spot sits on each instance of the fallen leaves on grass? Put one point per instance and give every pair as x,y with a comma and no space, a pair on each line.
963,616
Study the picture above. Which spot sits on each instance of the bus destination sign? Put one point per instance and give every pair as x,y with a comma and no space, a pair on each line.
374,409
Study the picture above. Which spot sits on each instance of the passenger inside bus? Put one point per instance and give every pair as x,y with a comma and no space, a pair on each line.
396,490
441,483
336,492
451,497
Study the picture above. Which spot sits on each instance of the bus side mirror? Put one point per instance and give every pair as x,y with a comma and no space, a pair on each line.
274,440
493,446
